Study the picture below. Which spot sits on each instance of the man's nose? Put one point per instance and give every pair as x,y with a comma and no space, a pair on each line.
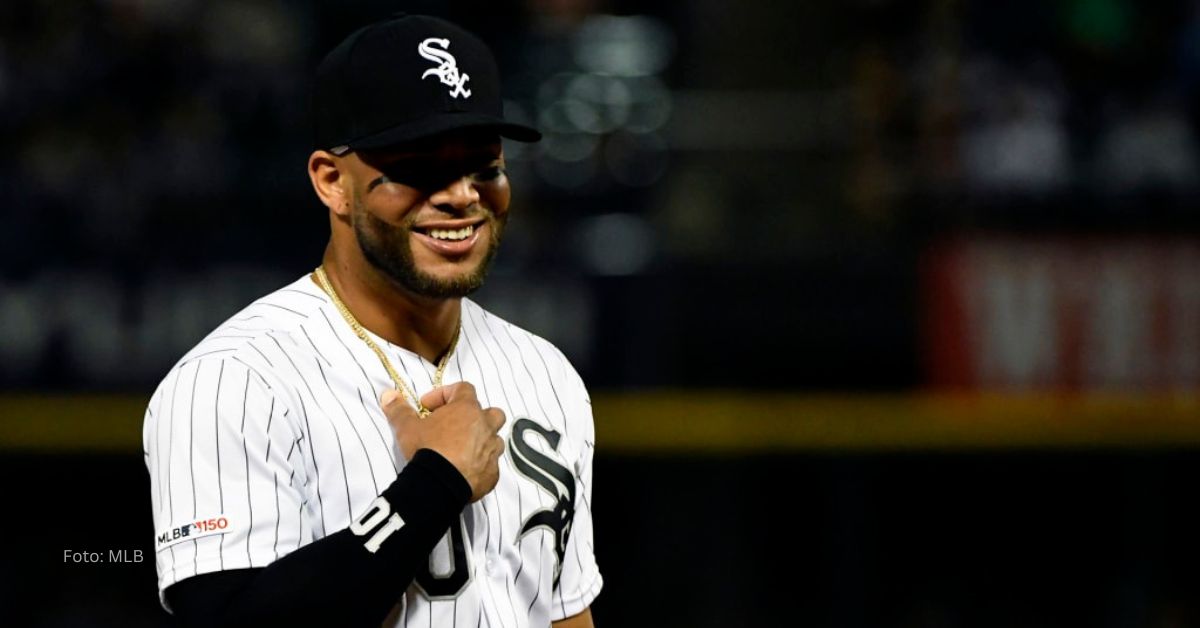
459,195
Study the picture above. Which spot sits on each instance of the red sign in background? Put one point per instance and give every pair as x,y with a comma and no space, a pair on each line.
1063,314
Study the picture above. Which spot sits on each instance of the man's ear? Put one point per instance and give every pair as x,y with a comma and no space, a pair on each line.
330,181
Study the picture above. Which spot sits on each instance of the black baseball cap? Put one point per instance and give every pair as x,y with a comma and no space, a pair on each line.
408,78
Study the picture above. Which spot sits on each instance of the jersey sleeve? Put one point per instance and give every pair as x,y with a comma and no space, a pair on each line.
580,581
225,477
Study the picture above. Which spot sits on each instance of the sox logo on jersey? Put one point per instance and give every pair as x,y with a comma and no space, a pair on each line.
551,476
271,429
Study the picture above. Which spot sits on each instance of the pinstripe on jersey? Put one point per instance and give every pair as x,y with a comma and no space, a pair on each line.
268,435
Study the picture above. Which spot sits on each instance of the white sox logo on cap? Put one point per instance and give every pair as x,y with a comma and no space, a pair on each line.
447,70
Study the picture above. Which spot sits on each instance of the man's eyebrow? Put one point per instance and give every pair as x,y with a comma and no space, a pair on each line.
465,163
378,181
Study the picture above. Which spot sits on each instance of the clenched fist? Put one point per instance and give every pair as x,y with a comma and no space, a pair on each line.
458,428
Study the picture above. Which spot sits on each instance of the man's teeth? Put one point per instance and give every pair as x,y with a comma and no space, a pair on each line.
452,234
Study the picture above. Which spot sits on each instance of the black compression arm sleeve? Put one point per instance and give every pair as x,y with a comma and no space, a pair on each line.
336,581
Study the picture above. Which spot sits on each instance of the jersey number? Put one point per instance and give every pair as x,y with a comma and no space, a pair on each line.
451,584
548,474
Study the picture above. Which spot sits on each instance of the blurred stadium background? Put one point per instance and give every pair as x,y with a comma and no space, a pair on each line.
891,310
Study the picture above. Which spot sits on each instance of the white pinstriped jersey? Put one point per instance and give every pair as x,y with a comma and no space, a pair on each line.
269,435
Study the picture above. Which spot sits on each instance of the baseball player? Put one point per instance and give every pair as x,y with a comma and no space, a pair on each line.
366,446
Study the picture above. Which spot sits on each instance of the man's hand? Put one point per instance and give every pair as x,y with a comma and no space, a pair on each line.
458,428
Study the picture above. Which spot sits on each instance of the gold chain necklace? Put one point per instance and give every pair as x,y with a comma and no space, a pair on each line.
323,279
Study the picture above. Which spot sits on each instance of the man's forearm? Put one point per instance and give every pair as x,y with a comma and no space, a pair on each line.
350,578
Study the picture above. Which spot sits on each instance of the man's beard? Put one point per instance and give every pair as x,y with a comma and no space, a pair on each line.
388,248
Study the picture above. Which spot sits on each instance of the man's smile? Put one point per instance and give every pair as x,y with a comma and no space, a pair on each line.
450,242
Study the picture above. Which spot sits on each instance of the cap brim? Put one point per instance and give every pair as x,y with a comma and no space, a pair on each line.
444,123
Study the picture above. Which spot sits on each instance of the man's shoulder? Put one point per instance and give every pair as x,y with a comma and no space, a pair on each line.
271,319
487,324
